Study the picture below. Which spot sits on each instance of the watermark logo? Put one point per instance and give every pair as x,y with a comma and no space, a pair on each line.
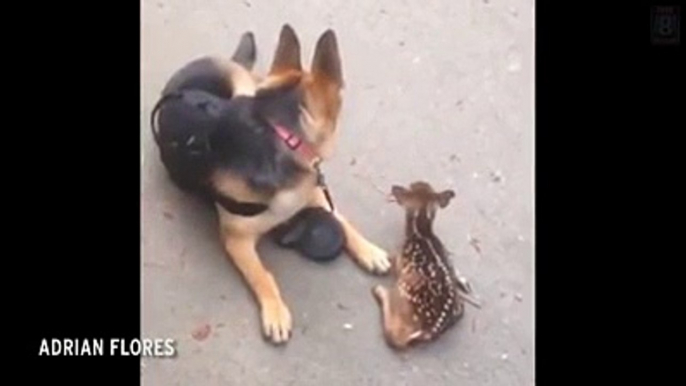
665,25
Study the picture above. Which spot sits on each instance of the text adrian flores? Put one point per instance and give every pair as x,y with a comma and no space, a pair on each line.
111,347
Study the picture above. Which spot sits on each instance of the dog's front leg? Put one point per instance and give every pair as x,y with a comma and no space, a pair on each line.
276,318
371,257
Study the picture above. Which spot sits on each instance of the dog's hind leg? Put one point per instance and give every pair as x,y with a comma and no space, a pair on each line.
371,257
276,318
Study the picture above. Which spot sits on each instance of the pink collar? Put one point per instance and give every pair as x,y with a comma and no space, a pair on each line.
296,144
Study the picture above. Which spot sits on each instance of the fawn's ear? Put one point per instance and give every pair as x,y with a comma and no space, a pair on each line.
400,194
443,198
287,55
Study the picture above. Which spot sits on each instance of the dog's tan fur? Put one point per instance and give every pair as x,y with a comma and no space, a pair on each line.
320,108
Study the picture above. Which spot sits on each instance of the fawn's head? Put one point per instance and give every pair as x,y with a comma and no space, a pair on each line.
421,201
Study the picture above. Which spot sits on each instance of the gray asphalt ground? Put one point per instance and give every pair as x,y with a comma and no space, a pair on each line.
440,91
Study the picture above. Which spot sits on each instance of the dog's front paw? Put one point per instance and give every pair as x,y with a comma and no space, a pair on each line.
374,259
276,321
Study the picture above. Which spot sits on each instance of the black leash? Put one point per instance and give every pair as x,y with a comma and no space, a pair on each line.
155,112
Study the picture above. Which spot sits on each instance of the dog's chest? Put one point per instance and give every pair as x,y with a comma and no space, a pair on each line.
287,203
428,283
282,206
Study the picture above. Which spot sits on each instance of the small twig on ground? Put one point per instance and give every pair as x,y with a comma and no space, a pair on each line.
376,187
475,243
471,300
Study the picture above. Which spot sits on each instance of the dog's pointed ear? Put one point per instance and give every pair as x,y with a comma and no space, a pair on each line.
281,103
287,55
246,52
444,198
326,63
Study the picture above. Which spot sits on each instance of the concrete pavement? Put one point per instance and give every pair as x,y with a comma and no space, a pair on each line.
435,90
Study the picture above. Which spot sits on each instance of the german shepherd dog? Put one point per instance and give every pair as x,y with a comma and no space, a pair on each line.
253,144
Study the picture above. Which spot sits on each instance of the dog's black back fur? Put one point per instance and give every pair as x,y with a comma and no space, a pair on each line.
200,74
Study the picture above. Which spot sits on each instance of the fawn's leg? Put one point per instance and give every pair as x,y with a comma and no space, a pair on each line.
398,324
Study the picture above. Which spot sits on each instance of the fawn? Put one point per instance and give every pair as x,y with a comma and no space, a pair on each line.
429,295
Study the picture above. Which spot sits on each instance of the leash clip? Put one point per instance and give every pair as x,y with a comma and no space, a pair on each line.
320,176
321,182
